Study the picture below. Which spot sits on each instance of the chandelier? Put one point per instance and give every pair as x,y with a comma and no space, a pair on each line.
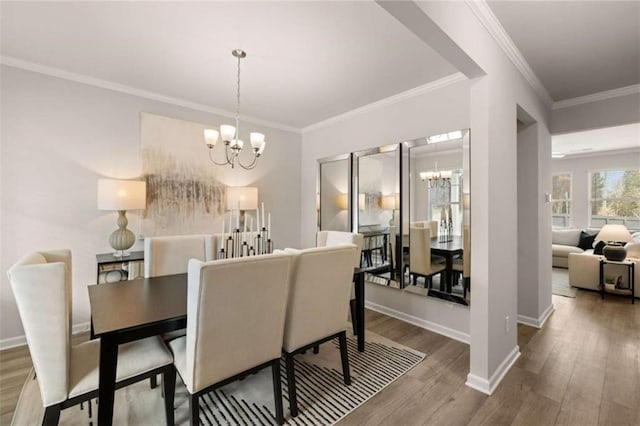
436,179
231,135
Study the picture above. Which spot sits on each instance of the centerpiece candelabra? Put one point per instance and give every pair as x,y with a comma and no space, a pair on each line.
248,241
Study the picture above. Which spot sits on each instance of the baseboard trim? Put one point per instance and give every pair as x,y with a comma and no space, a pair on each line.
14,342
419,322
537,322
489,386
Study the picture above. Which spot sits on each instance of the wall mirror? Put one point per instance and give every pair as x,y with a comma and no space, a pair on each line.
334,193
436,240
377,174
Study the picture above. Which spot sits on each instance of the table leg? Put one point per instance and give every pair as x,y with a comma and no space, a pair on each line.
107,381
601,280
447,274
359,283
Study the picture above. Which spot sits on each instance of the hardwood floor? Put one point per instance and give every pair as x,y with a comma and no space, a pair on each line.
582,368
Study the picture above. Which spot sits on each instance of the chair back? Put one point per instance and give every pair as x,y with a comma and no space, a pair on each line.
170,255
334,238
319,296
235,316
420,251
41,284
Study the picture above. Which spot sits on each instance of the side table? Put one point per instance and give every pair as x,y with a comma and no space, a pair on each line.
631,278
110,268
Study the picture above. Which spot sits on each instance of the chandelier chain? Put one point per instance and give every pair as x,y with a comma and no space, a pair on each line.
238,103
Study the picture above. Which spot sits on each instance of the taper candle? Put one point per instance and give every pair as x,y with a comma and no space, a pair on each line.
263,223
258,220
269,227
222,235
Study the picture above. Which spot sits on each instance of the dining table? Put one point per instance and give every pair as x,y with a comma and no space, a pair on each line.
449,250
126,311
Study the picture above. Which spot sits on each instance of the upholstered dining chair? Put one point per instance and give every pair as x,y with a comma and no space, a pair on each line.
168,255
420,262
317,308
68,374
463,266
334,238
235,321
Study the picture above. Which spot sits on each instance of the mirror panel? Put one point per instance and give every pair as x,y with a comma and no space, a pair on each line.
438,235
334,193
377,216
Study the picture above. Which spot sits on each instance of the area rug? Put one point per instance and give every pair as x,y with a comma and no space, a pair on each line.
323,399
560,283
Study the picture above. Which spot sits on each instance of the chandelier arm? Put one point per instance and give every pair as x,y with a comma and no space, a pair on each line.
251,165
214,161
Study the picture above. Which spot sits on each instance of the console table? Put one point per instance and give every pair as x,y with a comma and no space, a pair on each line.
110,268
631,278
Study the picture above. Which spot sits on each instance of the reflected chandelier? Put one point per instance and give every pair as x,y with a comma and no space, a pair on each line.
437,179
230,134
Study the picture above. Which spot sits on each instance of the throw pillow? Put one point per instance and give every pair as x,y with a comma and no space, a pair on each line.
586,240
598,247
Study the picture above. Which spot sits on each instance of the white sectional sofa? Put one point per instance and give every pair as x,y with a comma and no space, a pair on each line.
564,242
584,268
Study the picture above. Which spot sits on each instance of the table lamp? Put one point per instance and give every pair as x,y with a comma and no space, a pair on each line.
120,196
614,236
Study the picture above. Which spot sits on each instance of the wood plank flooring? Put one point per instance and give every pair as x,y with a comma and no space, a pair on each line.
582,368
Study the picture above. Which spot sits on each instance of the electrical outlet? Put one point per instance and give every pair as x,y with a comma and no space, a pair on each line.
506,325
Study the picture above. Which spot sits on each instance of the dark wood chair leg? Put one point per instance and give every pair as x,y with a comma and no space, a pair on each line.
277,391
316,349
344,357
153,382
51,415
194,410
291,381
354,316
169,388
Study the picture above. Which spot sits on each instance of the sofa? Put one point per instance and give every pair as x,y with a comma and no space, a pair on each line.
565,242
584,268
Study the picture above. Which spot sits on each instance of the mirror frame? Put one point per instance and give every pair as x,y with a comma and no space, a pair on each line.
334,158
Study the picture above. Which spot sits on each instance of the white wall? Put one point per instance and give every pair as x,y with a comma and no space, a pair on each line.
427,114
595,115
579,167
59,137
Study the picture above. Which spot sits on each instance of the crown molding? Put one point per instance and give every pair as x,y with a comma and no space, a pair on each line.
600,153
489,20
600,96
116,87
411,93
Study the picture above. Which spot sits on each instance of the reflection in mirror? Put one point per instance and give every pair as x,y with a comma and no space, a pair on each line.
333,194
438,235
377,216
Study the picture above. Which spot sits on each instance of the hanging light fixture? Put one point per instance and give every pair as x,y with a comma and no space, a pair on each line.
437,179
231,135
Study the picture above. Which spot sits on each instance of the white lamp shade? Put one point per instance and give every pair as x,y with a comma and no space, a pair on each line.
261,148
118,195
614,233
211,136
227,132
388,202
257,140
342,201
242,198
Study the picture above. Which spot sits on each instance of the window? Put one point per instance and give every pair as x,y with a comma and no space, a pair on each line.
615,198
561,199
448,199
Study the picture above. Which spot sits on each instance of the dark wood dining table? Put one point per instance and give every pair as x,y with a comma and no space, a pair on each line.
448,250
132,310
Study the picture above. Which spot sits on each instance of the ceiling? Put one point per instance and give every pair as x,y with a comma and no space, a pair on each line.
306,61
576,48
599,140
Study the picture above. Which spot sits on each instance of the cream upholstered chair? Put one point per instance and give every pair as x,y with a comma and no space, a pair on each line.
67,374
420,263
317,308
170,255
334,238
235,321
463,266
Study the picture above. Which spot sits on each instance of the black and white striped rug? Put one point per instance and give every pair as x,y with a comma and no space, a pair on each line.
323,399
